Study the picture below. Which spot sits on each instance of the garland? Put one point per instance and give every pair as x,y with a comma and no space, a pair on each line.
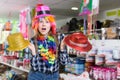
47,49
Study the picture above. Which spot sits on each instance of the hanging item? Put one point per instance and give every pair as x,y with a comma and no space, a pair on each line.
4,35
25,21
95,7
78,41
15,27
8,26
85,7
89,26
16,42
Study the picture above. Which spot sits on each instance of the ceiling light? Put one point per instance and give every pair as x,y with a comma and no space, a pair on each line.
74,8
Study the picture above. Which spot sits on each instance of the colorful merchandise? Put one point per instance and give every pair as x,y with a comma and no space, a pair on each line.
103,73
95,7
85,7
17,42
78,41
77,66
8,26
23,23
47,49
42,10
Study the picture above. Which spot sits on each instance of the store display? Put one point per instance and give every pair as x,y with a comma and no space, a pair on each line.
69,76
111,33
102,51
99,60
107,23
77,66
73,25
92,55
88,66
90,58
93,51
109,60
116,53
101,73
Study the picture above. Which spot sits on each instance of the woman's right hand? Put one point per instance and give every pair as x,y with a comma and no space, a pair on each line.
32,47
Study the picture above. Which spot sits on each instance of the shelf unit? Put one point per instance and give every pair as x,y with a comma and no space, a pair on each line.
17,68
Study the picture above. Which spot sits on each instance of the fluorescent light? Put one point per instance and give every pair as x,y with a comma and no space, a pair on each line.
74,8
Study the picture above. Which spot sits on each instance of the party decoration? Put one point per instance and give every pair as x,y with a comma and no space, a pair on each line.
78,41
85,7
17,42
47,49
95,7
8,25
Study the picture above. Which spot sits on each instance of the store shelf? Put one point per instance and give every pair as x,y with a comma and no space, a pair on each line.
21,69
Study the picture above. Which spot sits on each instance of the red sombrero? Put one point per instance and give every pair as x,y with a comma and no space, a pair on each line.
78,41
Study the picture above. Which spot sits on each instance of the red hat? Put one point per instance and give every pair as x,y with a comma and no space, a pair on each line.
78,41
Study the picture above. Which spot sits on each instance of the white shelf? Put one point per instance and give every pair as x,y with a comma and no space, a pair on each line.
21,69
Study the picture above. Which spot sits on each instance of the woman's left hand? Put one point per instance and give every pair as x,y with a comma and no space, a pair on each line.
62,45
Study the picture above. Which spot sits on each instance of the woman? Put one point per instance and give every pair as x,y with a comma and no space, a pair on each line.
45,57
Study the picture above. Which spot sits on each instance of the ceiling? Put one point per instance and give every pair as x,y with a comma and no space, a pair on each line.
60,8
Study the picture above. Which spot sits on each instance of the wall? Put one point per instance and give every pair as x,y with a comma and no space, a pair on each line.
62,22
102,15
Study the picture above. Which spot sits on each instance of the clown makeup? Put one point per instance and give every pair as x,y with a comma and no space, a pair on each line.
44,25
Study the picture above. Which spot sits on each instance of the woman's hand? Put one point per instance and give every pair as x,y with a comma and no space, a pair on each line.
32,47
62,45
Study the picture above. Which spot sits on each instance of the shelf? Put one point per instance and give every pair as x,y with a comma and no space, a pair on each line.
21,69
